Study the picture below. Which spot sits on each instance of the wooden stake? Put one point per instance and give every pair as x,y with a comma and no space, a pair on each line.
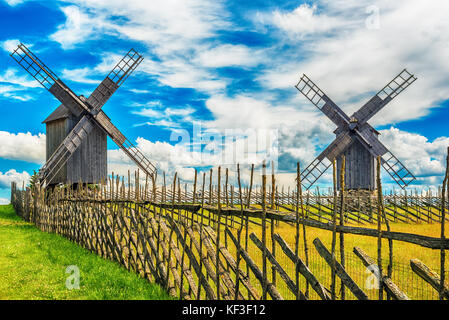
443,220
334,231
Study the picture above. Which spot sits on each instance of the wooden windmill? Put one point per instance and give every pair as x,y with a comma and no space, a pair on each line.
356,139
77,130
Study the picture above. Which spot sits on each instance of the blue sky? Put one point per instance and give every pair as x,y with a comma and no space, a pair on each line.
229,65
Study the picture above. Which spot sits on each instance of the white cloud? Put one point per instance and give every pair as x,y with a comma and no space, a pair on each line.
11,75
305,20
247,112
139,91
80,75
228,55
173,30
13,176
14,92
357,61
13,3
4,201
422,157
79,27
22,146
165,117
10,45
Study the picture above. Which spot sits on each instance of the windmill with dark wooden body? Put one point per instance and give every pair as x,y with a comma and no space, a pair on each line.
356,139
77,130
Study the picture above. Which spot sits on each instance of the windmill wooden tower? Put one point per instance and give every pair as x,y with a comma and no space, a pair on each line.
77,130
356,139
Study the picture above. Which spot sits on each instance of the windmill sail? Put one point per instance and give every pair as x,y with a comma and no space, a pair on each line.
78,105
400,174
74,139
48,79
122,70
384,96
315,95
397,170
65,150
123,143
319,166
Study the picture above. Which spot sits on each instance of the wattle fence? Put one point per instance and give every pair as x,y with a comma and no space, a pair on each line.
223,244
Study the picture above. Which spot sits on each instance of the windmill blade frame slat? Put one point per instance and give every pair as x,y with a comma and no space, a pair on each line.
48,79
393,169
27,60
325,159
102,93
123,143
121,71
308,183
65,150
401,82
91,108
109,128
319,99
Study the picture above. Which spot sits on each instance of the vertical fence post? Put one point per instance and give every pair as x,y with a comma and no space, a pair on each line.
342,219
273,207
217,257
248,204
264,236
379,229
201,234
298,185
443,220
334,231
239,236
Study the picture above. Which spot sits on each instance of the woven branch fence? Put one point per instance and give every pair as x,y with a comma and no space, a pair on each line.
220,242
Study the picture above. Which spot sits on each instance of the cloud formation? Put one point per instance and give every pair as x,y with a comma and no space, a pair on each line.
22,146
14,176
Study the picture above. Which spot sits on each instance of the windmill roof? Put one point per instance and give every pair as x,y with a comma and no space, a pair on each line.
60,112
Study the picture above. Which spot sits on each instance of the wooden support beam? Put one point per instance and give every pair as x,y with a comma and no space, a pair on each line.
339,270
389,286
428,275
303,269
271,289
232,263
290,283
423,241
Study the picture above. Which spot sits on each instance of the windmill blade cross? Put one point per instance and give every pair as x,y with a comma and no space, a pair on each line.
91,108
74,139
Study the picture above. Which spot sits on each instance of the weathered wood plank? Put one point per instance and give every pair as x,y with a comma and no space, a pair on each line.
290,283
271,289
302,268
339,270
389,286
428,275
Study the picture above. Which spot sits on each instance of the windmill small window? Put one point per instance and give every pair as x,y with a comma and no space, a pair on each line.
77,130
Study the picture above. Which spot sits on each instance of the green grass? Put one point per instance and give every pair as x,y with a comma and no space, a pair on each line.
33,265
